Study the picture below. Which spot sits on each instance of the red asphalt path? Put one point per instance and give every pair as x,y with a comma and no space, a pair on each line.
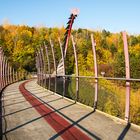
62,126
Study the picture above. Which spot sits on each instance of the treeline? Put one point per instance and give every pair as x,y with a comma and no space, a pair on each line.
20,43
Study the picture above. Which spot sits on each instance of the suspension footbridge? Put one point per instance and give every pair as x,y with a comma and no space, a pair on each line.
54,105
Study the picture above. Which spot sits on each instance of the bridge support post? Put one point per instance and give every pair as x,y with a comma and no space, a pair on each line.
10,75
63,61
49,70
38,68
54,62
1,70
16,76
19,75
43,68
6,72
95,70
127,69
13,73
77,70
41,64
3,80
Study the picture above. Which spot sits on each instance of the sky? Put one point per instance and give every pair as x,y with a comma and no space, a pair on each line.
111,15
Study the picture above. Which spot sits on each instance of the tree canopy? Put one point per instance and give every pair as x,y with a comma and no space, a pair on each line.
20,43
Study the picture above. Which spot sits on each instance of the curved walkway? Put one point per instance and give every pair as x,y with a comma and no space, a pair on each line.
33,113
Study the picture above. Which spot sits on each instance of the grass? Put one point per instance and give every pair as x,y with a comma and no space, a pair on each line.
111,97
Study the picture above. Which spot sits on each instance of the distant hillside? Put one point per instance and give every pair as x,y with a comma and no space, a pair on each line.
20,42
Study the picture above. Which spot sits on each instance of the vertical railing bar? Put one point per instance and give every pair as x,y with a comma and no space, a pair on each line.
63,61
54,62
10,75
48,60
5,71
37,67
2,71
127,70
13,76
77,70
40,77
45,71
41,62
95,70
44,67
19,75
40,67
9,79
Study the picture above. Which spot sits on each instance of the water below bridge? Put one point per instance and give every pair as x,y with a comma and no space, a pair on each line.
33,113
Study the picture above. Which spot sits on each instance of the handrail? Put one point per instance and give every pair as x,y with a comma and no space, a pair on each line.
63,77
100,77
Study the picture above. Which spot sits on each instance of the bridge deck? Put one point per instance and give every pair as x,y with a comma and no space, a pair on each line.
34,113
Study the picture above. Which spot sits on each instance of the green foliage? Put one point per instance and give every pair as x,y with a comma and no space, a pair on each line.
111,97
119,65
20,43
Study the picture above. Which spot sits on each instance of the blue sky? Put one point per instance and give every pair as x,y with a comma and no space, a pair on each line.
112,15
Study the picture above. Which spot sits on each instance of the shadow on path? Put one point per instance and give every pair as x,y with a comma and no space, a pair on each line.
124,132
29,107
35,119
74,123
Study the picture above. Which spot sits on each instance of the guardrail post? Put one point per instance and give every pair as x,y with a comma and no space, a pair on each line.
63,61
41,62
43,67
10,75
1,70
77,70
54,62
16,76
5,71
3,80
13,75
49,70
96,71
40,67
127,69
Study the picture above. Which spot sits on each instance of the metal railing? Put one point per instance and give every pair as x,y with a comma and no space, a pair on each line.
75,86
7,74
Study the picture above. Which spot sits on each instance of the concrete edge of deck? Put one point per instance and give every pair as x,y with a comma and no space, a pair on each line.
115,119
